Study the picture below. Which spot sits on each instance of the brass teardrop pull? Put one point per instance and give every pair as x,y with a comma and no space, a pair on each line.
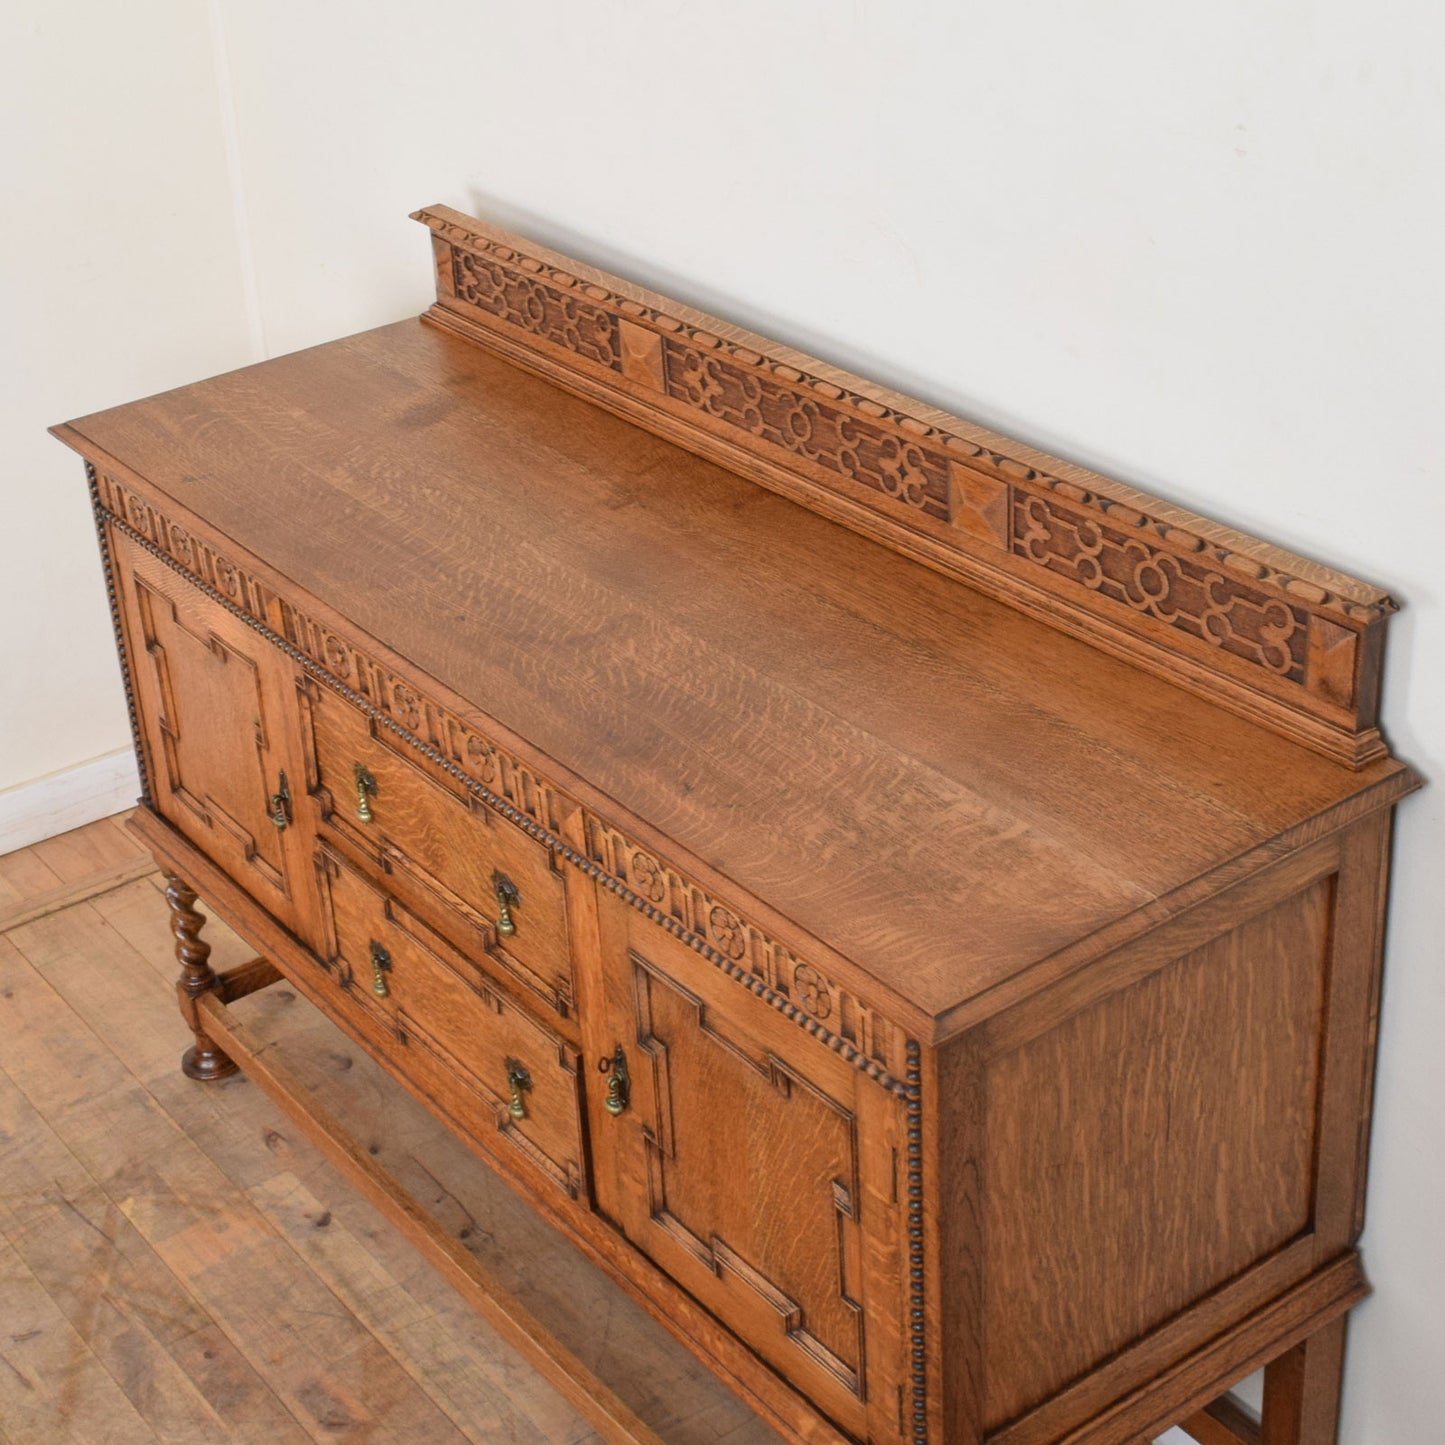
507,899
380,967
518,1079
365,792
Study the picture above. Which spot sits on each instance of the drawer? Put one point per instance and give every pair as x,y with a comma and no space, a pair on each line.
505,1079
481,882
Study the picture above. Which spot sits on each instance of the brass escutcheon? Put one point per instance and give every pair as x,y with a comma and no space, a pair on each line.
619,1082
279,805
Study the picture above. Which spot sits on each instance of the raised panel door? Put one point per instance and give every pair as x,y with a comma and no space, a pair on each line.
218,715
755,1166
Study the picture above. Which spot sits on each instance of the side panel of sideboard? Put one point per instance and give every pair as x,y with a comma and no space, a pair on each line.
1173,1145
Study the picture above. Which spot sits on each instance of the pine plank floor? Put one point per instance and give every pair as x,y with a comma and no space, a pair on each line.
178,1264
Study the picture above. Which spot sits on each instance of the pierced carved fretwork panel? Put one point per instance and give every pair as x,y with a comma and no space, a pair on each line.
809,427
524,301
1146,574
1178,591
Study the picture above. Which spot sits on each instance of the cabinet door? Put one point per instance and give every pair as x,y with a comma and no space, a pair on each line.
218,714
756,1167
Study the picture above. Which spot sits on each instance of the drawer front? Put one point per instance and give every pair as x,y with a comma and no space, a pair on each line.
481,882
505,1079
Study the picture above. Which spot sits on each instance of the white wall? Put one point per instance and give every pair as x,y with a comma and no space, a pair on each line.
119,275
1195,249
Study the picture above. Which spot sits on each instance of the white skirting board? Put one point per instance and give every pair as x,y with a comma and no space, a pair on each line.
30,812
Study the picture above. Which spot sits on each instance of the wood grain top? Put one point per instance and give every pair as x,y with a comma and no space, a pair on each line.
940,788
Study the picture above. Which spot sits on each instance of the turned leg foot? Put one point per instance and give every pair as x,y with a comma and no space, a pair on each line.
1302,1391
203,1060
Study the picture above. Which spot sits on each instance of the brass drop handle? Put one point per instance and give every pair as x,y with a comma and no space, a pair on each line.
365,792
380,967
279,805
507,899
517,1079
619,1082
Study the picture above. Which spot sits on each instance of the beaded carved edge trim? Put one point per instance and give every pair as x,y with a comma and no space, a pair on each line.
918,1360
848,1051
113,597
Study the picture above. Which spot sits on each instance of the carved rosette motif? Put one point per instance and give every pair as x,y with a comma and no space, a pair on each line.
812,991
648,877
712,927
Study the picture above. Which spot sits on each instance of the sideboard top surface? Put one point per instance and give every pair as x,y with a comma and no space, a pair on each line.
940,788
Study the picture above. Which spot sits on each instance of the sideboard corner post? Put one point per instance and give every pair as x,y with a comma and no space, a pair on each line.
203,1060
1302,1390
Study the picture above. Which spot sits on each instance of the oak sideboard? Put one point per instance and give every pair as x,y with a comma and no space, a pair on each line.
907,907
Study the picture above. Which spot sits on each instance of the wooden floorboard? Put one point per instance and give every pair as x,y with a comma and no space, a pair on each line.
91,849
69,869
49,1374
178,1263
24,877
137,1318
87,886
